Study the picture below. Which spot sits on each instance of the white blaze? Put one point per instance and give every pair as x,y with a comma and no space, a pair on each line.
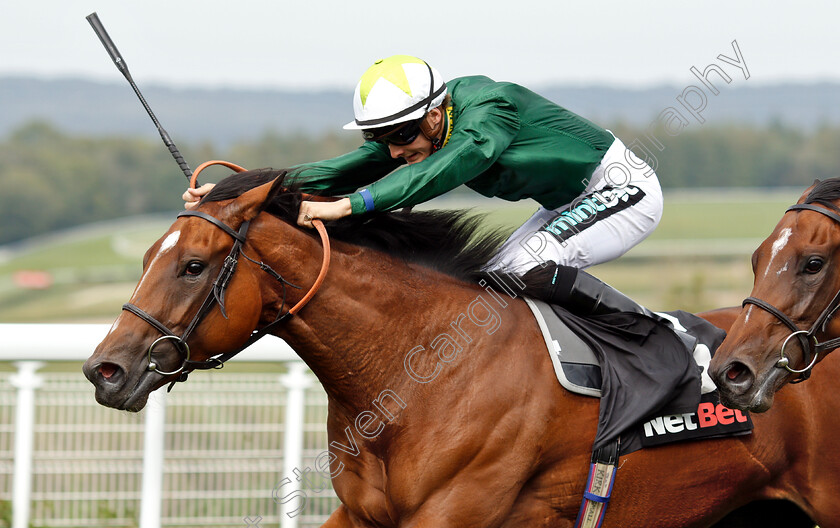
778,245
116,324
167,244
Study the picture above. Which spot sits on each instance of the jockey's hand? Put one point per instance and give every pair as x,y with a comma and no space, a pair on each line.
323,210
193,196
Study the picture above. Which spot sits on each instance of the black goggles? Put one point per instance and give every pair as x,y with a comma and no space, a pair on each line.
399,134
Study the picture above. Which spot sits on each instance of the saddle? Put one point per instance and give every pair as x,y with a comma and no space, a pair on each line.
652,390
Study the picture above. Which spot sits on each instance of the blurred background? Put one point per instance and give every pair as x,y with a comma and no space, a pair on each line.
739,104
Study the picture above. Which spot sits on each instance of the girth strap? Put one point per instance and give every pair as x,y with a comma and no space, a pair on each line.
598,486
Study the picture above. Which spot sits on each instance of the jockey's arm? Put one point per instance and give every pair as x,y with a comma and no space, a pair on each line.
482,133
340,175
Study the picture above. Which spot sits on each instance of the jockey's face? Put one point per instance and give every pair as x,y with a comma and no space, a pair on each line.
414,152
421,147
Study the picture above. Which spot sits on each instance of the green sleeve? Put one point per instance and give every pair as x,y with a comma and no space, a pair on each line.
346,173
480,135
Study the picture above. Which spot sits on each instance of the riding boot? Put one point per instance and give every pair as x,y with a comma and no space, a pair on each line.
582,294
591,296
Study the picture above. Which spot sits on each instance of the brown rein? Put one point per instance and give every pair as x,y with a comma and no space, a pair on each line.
325,266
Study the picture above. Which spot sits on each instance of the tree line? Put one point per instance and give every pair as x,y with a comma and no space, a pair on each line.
50,179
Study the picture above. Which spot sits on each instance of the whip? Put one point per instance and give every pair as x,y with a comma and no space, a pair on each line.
123,67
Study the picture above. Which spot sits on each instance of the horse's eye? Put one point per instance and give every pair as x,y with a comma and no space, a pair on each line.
194,268
814,265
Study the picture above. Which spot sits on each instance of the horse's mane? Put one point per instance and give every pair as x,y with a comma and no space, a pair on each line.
825,192
453,242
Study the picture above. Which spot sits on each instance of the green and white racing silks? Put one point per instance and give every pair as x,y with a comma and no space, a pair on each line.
506,142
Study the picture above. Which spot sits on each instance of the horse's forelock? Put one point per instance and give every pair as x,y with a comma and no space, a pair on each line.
238,183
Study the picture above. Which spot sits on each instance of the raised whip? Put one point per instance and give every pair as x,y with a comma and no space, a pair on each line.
123,67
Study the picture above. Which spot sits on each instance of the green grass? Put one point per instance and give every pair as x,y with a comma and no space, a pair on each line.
86,253
122,246
723,217
93,275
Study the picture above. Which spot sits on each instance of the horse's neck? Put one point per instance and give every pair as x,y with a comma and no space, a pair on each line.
370,312
358,331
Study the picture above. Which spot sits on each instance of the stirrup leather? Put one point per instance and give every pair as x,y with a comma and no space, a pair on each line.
598,487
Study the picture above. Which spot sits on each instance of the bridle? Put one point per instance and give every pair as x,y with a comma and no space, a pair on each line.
811,346
216,295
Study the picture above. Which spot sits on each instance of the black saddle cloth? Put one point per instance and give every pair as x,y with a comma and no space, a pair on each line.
647,368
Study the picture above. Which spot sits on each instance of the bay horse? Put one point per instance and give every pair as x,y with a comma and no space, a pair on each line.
444,409
787,324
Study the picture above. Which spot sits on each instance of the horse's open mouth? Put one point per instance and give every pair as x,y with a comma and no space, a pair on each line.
137,396
766,388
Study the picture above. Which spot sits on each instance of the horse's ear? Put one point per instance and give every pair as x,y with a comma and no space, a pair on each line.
807,192
250,203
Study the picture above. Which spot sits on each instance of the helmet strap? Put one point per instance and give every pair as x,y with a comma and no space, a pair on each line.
432,131
435,133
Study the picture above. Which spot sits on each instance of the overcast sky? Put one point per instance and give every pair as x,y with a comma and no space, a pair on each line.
329,43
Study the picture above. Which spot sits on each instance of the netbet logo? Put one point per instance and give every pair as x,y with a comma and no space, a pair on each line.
708,415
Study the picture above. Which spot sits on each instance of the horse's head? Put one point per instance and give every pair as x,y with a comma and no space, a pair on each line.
189,304
787,323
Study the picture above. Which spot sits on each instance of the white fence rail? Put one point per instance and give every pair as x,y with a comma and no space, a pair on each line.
224,449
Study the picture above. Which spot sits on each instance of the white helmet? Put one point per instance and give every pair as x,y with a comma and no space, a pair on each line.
395,90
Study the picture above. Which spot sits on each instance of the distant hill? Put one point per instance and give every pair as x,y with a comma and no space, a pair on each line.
219,116
226,116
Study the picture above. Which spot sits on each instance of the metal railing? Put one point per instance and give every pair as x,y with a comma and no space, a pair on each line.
224,449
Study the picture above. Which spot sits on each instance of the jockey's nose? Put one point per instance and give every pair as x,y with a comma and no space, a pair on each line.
396,150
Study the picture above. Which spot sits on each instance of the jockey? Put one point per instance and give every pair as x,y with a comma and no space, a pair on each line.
424,137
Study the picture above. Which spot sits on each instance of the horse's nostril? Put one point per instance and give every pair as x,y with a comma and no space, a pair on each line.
738,374
107,370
